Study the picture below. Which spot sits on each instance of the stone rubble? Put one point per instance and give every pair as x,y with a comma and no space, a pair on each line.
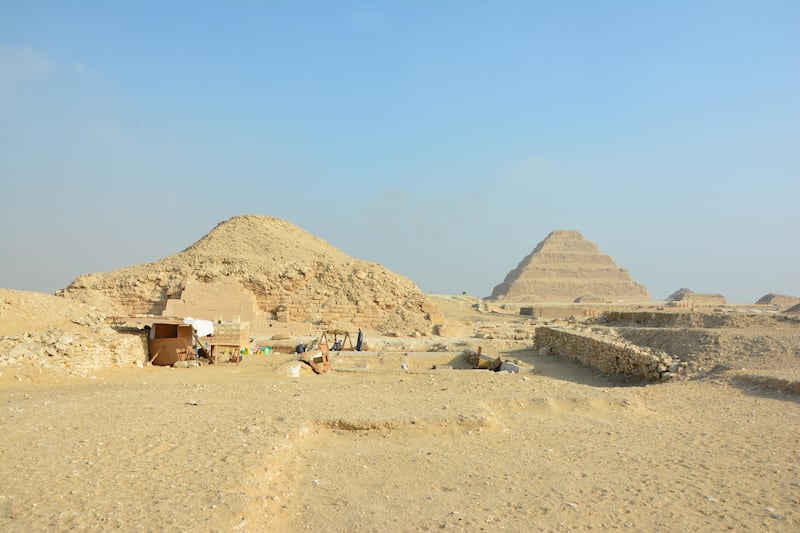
289,275
53,333
71,352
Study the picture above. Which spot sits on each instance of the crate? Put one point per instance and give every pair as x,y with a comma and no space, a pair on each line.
231,333
228,340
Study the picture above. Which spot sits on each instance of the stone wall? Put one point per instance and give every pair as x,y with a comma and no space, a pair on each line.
272,329
689,319
453,329
229,300
291,308
609,355
225,300
552,312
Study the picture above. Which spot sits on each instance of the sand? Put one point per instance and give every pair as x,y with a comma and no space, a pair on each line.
375,448
372,447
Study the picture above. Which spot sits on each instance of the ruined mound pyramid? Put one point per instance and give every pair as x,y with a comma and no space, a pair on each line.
689,296
266,269
781,301
565,267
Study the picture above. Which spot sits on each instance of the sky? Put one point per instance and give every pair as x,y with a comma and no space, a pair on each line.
442,139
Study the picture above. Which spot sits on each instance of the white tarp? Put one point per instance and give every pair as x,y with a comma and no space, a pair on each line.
201,327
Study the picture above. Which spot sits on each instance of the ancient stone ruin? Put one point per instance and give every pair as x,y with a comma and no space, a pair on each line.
687,297
795,309
565,267
262,270
612,356
778,301
45,332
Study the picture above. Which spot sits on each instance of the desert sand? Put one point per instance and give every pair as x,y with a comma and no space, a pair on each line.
370,446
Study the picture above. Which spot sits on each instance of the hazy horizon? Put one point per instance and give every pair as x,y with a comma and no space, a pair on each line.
443,140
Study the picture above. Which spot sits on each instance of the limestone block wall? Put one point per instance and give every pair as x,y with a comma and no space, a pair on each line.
231,333
223,300
294,309
550,312
315,302
688,319
453,329
270,329
610,356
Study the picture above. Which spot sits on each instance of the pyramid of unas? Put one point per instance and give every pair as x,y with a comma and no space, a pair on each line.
262,269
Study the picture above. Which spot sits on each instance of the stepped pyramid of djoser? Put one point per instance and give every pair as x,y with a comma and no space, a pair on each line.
565,267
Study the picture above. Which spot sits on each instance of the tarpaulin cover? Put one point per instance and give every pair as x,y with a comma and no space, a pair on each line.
202,327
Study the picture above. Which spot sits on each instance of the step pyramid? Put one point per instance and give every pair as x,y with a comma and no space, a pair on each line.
566,268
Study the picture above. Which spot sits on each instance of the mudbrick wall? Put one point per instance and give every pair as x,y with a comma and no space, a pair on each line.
610,355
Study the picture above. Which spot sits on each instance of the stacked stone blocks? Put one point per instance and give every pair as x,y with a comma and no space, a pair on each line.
610,356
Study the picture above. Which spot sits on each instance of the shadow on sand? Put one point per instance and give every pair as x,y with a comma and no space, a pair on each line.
773,388
564,369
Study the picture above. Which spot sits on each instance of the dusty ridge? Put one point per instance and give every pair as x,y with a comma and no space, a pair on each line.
293,275
565,267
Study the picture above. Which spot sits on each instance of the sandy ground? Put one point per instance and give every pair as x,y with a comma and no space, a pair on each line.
248,448
371,447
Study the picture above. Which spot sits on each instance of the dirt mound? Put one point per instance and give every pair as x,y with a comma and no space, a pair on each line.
43,332
564,267
24,312
292,275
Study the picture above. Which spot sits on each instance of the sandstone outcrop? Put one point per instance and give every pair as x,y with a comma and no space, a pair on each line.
258,269
565,267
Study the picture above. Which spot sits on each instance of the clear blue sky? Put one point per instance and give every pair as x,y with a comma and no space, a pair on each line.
441,139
